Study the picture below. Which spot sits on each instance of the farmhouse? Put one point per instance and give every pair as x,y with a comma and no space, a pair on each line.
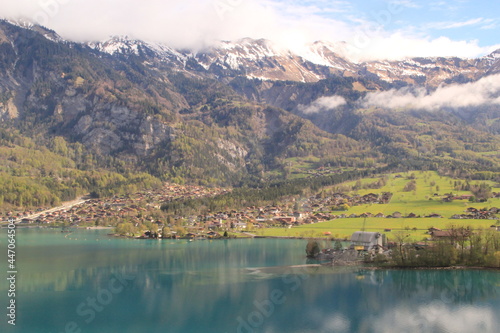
367,240
451,234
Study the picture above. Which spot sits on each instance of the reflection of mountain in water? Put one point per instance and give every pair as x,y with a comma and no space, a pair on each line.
206,286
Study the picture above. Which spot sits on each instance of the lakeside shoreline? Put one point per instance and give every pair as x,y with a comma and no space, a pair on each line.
449,268
359,264
245,236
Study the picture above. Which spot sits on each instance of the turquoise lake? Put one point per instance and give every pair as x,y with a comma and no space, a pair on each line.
88,282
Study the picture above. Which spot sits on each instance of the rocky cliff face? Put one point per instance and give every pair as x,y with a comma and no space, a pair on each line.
110,129
62,90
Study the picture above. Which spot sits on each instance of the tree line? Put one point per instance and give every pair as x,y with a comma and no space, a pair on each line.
463,247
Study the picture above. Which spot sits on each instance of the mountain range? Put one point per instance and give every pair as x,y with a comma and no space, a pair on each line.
234,113
261,59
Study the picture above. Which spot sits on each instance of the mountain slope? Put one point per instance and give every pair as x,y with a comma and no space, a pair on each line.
169,123
123,108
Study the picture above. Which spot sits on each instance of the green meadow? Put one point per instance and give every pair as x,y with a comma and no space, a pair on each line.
424,200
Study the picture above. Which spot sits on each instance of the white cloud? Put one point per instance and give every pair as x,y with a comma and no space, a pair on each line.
323,104
406,3
490,26
486,91
196,23
461,24
187,23
369,45
436,317
336,323
445,6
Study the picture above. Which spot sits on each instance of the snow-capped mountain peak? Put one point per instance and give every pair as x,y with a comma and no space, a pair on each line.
265,60
118,44
28,24
123,45
493,61
494,56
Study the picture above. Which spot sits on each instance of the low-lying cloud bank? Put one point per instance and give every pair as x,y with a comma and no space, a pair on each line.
323,104
484,92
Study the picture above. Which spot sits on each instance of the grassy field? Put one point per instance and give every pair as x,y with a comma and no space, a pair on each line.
344,228
423,201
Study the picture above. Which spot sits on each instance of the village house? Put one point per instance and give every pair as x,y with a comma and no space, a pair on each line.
450,234
364,240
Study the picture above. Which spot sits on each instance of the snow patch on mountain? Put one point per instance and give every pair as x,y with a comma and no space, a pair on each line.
27,24
117,44
123,45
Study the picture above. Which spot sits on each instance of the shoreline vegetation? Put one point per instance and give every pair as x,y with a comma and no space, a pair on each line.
464,247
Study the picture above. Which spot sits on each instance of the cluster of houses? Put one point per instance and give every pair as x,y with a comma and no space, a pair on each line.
190,235
437,233
138,207
323,171
5,216
94,210
478,214
339,199
395,215
451,197
288,214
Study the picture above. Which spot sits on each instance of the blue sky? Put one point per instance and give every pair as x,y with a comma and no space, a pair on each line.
373,29
458,20
461,27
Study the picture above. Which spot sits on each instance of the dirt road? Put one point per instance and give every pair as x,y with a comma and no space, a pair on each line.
64,206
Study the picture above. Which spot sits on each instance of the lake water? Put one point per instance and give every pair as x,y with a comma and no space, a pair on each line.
88,282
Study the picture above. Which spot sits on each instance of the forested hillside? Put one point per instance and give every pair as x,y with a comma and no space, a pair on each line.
77,120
